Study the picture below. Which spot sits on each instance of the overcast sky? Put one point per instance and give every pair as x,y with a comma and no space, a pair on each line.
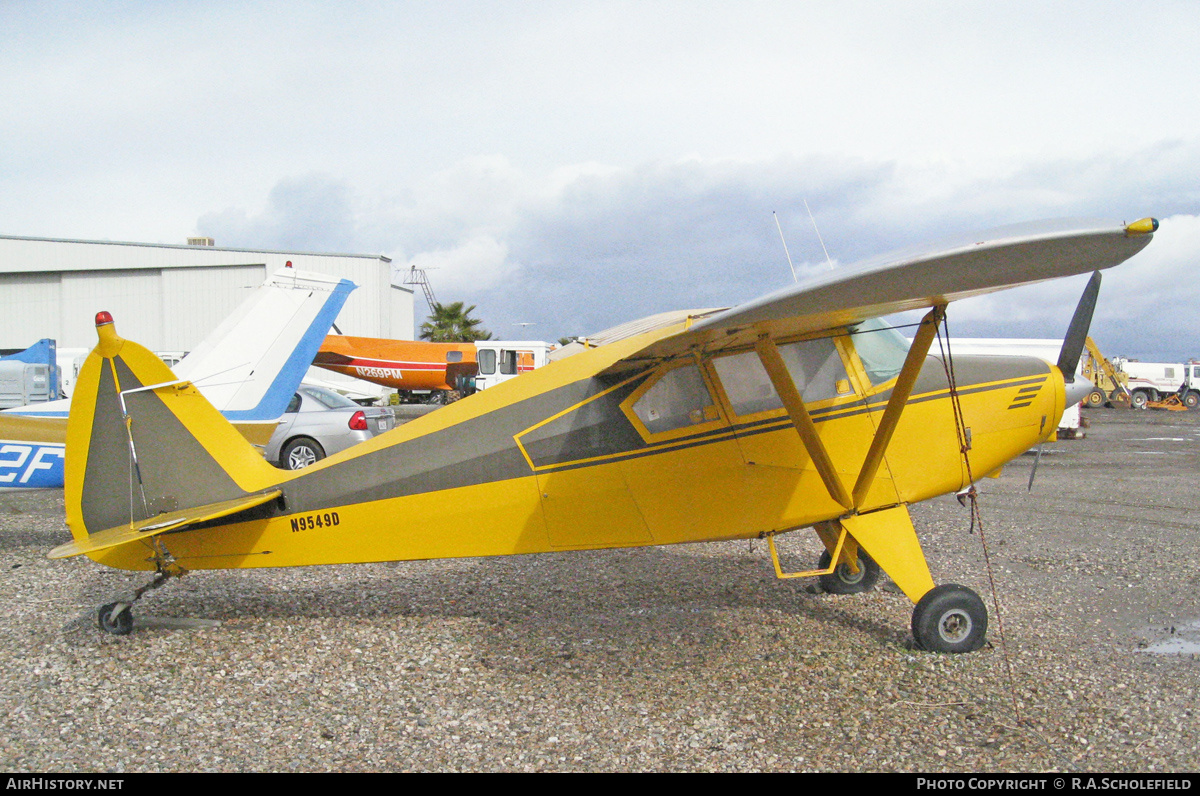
575,165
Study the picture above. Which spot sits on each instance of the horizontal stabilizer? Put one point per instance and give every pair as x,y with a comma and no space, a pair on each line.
152,526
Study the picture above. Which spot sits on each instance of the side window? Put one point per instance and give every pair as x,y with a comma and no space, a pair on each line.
746,383
293,405
680,398
881,349
814,365
508,362
487,361
816,369
454,356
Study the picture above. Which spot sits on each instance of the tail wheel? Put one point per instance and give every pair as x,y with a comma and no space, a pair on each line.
950,618
115,618
843,581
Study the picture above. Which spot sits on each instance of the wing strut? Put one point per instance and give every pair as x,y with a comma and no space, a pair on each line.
895,406
786,388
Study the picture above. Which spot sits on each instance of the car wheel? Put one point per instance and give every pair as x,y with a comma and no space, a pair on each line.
300,453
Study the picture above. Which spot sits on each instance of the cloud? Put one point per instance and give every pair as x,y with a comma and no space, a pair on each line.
313,213
475,265
591,245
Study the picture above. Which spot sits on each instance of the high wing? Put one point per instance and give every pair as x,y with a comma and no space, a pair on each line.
909,279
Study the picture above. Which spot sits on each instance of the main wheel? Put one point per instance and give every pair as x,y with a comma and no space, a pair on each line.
300,453
843,581
1094,399
1139,399
112,620
950,618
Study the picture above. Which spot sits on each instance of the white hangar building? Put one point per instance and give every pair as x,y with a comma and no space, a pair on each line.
168,297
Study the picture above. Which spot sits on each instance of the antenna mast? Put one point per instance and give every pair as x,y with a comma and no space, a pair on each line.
819,238
785,248
416,276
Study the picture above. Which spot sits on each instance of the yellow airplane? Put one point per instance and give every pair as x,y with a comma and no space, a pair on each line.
799,409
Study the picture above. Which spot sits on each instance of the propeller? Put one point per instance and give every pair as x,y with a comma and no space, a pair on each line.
1072,347
1077,332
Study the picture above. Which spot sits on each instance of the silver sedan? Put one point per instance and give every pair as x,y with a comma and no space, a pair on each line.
319,422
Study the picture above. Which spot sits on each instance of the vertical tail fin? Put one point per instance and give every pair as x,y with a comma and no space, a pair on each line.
141,444
251,364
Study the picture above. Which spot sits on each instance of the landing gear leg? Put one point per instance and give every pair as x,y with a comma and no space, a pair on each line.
947,618
117,618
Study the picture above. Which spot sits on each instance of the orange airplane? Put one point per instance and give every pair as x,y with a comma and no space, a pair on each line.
400,364
413,366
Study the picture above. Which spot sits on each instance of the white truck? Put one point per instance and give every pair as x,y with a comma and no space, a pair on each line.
1155,381
501,360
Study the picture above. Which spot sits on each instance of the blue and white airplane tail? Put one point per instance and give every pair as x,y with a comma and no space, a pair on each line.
248,367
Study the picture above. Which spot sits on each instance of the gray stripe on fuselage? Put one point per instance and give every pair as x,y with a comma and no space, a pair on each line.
482,449
476,451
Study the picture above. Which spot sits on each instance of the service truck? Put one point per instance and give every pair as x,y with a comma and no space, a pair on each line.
1154,381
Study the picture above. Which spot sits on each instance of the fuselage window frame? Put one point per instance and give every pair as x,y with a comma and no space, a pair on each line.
712,417
847,379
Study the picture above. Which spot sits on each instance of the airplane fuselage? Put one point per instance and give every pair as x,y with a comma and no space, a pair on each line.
692,449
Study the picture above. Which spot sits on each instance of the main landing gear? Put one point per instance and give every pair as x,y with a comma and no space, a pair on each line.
843,581
950,618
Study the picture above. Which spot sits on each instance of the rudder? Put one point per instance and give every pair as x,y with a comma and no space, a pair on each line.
141,443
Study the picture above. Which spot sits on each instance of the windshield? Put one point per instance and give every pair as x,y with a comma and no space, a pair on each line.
328,398
881,349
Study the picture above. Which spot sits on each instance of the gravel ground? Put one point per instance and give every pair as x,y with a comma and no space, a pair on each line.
688,658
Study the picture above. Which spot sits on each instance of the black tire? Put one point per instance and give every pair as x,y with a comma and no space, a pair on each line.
843,581
111,621
1139,399
950,618
1191,399
300,453
1095,399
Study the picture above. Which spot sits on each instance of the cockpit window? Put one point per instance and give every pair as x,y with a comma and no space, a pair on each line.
746,384
679,399
814,365
816,368
881,349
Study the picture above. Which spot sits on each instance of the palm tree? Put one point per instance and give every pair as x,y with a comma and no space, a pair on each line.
450,323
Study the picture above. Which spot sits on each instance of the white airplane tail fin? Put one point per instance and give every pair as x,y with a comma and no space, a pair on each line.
252,363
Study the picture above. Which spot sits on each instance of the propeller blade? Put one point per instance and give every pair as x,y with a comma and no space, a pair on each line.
1077,332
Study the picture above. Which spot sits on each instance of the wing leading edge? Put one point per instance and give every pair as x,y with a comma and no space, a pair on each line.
913,279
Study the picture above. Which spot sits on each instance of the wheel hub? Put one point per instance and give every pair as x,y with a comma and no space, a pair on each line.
301,458
955,626
846,576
